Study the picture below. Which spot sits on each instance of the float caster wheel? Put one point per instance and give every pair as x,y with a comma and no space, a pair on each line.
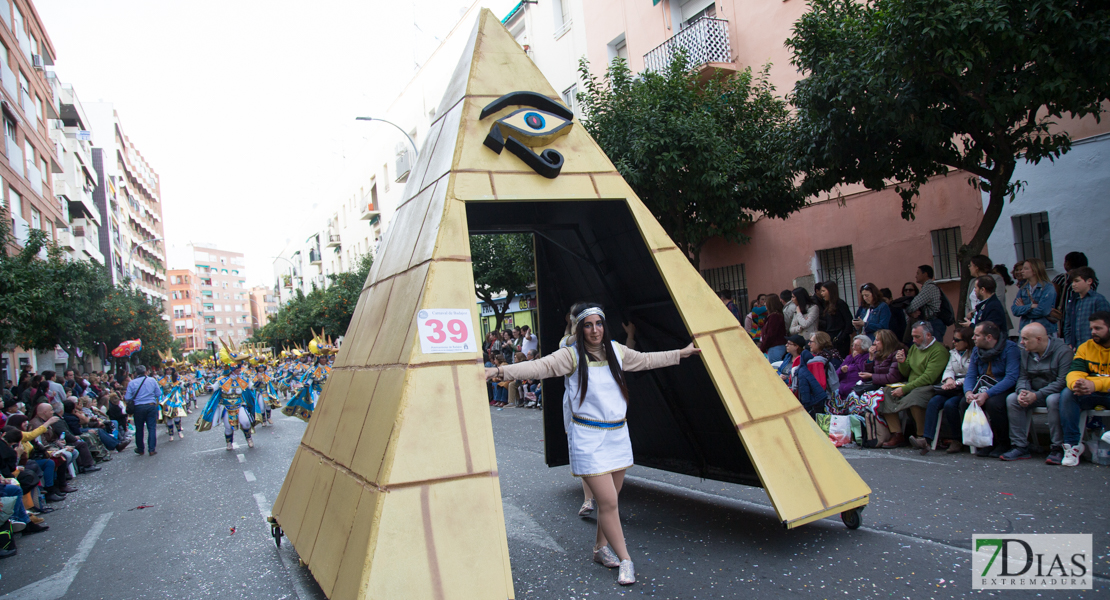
852,518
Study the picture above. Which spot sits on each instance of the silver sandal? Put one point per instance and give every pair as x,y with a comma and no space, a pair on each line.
605,556
588,507
627,574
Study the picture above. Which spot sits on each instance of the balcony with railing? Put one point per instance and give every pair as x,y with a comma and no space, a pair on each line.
8,80
705,41
314,256
34,177
333,240
15,155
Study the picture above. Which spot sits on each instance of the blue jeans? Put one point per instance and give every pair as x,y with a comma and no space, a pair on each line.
20,513
500,394
146,415
47,467
952,415
776,354
1070,407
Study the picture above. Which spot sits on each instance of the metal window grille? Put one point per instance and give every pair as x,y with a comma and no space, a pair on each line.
705,40
1032,238
730,278
837,264
946,242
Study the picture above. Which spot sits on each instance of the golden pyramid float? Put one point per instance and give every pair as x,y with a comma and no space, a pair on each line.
394,490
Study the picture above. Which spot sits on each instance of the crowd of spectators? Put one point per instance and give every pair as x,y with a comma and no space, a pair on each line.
888,362
507,347
56,427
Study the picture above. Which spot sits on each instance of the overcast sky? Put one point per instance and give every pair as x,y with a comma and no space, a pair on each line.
246,109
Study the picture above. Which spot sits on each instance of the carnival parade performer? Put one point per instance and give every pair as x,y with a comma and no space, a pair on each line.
173,403
267,394
233,402
312,381
597,434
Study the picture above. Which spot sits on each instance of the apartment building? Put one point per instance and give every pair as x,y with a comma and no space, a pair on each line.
183,310
264,305
129,198
74,185
224,296
30,157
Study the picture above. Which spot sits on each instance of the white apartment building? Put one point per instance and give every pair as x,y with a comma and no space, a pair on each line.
75,183
553,33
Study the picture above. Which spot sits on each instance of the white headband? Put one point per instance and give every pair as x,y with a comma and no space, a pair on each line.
586,313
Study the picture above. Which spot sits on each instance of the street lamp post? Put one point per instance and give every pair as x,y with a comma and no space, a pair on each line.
415,152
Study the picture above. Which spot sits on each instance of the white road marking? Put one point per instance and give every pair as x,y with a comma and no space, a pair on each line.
295,573
235,446
57,585
250,476
241,457
519,526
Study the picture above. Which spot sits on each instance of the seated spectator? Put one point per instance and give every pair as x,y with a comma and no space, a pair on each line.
880,370
990,307
1045,362
1036,297
836,317
50,461
853,365
873,314
1083,303
500,388
947,400
921,369
795,372
899,312
1088,385
773,341
808,314
991,377
81,424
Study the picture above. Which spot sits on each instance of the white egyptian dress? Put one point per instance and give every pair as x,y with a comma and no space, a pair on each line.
597,432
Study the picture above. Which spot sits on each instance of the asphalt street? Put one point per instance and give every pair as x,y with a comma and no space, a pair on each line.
689,538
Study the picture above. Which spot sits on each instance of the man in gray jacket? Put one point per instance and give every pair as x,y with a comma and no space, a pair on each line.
1045,362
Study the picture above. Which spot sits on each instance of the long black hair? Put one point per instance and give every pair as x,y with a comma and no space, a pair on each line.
583,357
802,299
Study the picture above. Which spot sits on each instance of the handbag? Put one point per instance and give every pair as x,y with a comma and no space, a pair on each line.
862,388
939,390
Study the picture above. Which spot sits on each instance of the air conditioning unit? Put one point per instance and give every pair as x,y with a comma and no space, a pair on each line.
36,62
404,163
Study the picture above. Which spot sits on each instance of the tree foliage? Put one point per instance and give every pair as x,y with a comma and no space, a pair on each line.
705,156
905,90
503,263
328,309
53,301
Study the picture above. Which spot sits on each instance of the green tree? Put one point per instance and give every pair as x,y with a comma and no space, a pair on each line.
503,264
904,90
705,156
21,293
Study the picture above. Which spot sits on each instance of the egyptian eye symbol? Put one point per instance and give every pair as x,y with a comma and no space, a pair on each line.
521,130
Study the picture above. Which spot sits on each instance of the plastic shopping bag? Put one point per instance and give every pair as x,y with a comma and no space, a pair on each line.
840,430
977,431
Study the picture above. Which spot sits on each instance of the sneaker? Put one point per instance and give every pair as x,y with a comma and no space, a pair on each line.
250,443
1055,456
627,575
18,526
588,507
181,435
605,556
1072,454
230,447
8,552
171,436
1017,453
35,528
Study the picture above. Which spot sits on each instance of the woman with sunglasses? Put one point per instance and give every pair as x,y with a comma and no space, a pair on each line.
597,435
948,395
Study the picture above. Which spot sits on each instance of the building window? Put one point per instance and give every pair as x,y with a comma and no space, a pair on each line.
1032,238
946,242
618,48
570,98
837,264
731,278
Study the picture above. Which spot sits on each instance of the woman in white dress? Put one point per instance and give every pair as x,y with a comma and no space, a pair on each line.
597,435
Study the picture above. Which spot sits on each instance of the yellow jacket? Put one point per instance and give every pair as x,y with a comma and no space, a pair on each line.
1091,361
28,436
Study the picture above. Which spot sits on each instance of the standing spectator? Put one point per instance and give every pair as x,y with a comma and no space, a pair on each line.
57,391
73,384
1064,291
989,307
1088,385
1045,362
490,346
806,319
949,399
753,321
926,304
836,317
1084,302
145,393
873,313
773,342
726,299
899,312
1036,298
508,347
981,265
789,309
1006,289
991,376
921,369
528,342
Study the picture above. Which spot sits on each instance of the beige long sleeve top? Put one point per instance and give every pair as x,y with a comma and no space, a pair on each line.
562,362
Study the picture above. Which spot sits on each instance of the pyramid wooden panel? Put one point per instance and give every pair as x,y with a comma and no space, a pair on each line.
394,491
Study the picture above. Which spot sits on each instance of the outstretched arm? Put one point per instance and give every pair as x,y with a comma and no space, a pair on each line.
645,361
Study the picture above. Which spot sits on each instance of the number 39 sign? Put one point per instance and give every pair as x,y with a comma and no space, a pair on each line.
445,330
